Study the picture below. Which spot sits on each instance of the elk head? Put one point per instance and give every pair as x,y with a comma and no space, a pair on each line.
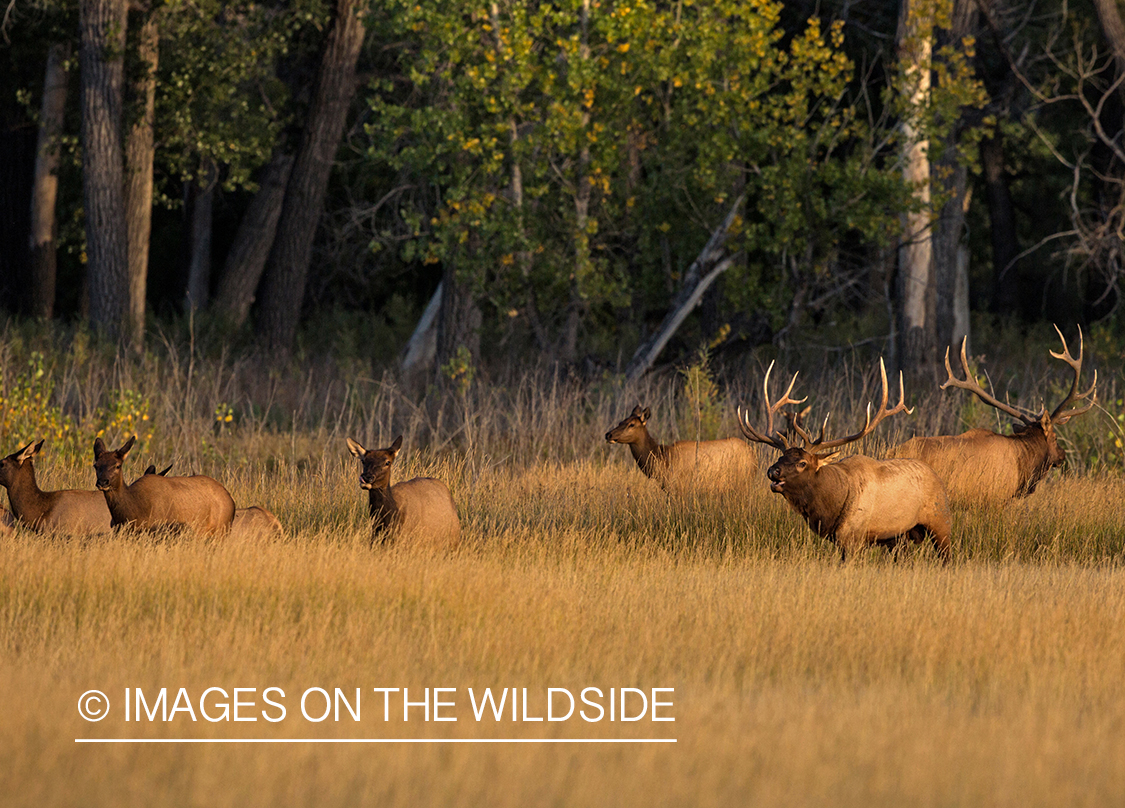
1030,422
375,464
108,464
632,429
795,471
10,465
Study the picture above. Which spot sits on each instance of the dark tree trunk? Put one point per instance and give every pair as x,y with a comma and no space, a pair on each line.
242,270
459,319
45,192
139,150
1002,223
199,268
288,266
949,231
102,24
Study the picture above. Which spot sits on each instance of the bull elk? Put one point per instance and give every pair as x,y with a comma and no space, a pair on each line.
153,501
712,461
70,511
981,466
251,522
418,511
856,501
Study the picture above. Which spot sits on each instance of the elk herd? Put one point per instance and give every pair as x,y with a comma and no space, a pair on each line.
852,501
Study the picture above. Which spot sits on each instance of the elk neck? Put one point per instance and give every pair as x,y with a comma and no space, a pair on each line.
28,501
382,506
651,456
1034,458
822,501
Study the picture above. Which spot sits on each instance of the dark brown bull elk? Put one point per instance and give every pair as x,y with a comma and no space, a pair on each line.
418,511
981,466
856,501
153,501
71,511
710,462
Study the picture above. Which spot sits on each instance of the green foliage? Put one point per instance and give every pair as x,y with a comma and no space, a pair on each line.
29,411
704,407
567,152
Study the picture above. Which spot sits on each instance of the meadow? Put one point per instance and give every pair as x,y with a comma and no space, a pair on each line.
797,680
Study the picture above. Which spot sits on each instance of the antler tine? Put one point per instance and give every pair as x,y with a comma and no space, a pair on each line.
970,384
869,422
1076,365
771,437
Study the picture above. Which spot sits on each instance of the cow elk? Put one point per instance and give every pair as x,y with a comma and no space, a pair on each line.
856,501
153,502
715,463
985,467
73,512
415,512
254,522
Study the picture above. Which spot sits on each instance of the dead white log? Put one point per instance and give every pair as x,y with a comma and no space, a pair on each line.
691,292
422,347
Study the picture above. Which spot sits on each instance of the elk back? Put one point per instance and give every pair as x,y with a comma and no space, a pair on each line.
427,516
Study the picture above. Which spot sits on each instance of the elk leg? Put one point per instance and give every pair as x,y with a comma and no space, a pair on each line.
940,536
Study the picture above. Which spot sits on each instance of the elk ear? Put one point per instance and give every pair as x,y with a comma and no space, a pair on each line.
396,446
646,415
124,450
355,448
28,452
151,470
165,472
824,460
99,448
637,411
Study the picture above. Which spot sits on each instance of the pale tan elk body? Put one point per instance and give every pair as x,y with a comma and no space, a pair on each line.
712,463
985,467
252,522
71,511
154,502
255,522
417,512
856,501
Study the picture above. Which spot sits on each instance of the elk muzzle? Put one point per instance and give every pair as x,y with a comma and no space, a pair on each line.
774,475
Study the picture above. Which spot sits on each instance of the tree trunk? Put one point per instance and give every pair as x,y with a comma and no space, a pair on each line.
288,266
102,24
569,352
916,289
1002,224
1109,13
199,268
138,171
459,319
247,257
46,189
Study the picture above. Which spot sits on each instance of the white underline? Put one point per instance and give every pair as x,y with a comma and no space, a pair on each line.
375,740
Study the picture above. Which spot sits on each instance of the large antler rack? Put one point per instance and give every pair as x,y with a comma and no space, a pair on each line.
778,440
1058,416
771,437
819,443
970,384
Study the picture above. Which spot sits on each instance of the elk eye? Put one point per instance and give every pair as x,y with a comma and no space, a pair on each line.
801,465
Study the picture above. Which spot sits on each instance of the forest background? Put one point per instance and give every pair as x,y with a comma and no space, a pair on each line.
520,182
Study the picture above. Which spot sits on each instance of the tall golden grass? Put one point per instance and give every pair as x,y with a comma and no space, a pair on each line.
798,681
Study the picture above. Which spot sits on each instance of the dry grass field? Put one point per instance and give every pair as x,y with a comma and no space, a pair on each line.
999,680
